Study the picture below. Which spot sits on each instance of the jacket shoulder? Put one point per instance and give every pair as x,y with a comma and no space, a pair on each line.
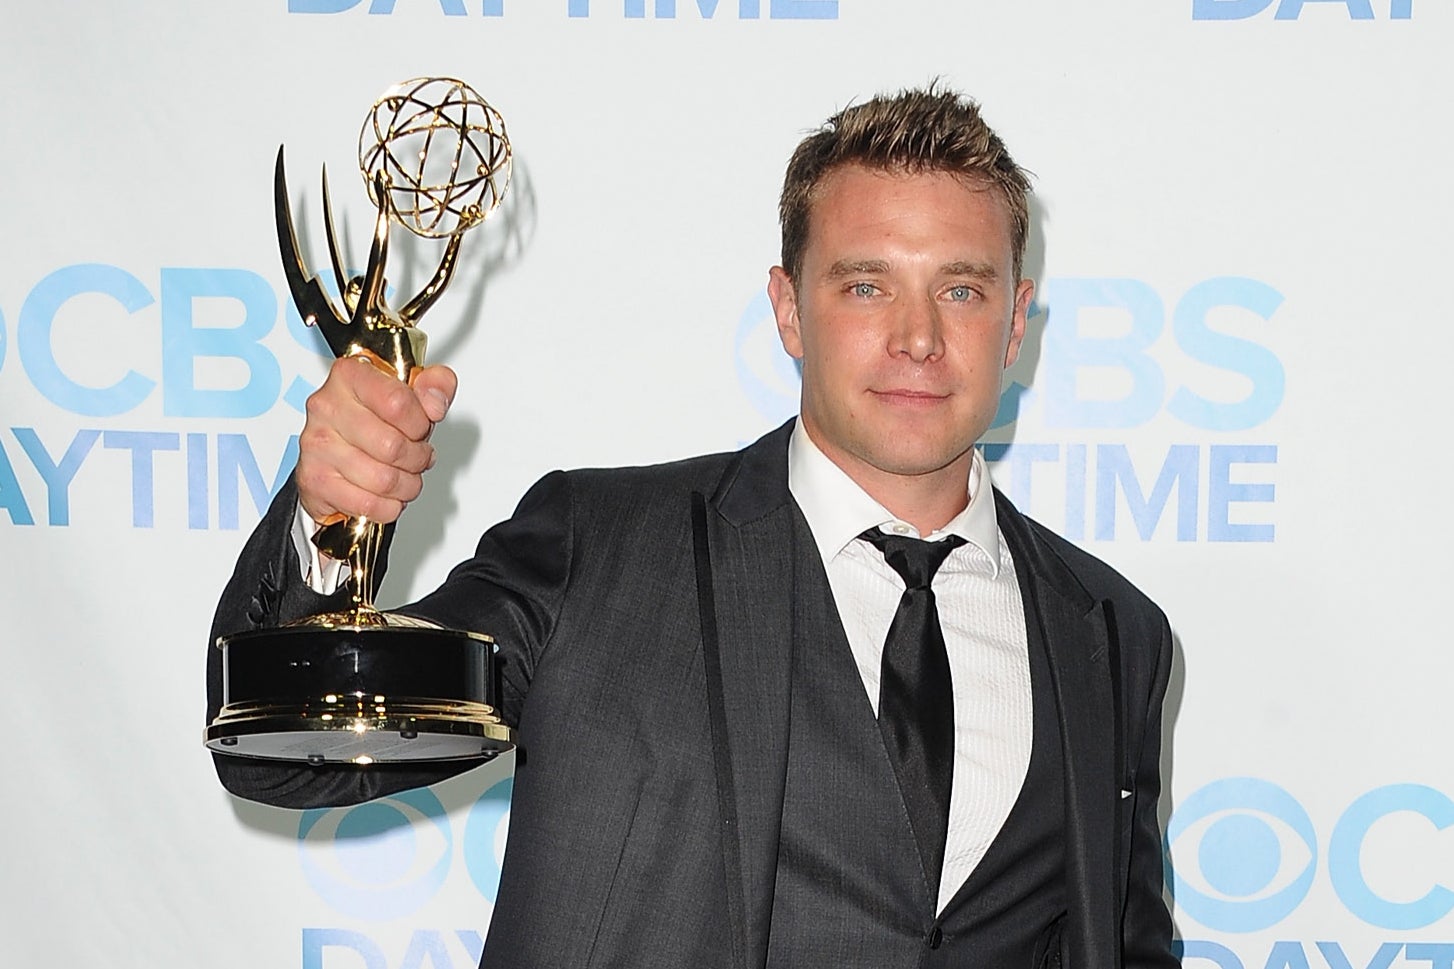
740,484
693,473
1099,579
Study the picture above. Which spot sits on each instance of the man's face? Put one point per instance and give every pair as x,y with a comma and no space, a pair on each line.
905,315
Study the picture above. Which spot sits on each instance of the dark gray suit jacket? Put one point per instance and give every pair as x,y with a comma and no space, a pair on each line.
646,631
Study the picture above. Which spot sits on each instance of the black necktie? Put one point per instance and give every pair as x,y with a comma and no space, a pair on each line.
916,695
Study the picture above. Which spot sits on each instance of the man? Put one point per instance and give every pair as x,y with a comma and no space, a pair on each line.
757,733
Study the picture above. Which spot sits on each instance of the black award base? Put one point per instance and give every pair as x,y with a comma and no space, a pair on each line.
358,695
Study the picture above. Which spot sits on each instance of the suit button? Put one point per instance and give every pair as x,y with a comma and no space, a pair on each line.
936,937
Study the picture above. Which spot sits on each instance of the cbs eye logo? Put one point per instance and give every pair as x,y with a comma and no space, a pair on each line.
1242,854
1246,854
484,837
386,858
769,377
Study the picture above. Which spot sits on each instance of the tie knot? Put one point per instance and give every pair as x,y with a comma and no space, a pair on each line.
914,559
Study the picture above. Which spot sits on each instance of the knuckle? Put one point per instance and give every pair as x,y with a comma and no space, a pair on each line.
396,403
318,405
414,458
385,481
391,448
312,438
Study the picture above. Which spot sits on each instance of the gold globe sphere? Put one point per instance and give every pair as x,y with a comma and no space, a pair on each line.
443,153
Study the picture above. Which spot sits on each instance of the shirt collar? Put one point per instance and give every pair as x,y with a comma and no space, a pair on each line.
838,510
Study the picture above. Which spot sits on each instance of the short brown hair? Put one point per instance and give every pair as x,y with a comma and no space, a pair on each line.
914,131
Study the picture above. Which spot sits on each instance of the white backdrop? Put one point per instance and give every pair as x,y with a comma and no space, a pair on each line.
1234,391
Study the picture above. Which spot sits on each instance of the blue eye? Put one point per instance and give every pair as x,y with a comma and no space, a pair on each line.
961,294
864,289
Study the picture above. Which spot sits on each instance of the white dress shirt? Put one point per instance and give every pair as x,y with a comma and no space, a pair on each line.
320,572
984,631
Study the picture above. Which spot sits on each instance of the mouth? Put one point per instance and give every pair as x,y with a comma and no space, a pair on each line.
909,397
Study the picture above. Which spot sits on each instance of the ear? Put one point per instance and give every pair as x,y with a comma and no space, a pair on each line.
1024,293
784,299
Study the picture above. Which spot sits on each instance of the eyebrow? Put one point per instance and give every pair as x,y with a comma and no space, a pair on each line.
857,267
974,270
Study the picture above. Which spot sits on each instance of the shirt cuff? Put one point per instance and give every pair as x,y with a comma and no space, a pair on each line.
320,572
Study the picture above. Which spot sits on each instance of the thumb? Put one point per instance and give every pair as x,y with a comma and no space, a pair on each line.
435,387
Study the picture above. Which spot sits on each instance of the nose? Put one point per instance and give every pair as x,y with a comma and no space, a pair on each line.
918,331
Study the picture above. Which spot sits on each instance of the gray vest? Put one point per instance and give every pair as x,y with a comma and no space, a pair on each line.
850,890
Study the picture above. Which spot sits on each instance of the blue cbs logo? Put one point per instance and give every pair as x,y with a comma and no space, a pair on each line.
179,366
378,860
386,859
1293,9
208,360
1256,853
1246,855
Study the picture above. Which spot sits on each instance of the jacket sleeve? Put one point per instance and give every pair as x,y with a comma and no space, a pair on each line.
1146,926
511,589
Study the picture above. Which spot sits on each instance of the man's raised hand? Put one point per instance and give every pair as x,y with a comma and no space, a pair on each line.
365,444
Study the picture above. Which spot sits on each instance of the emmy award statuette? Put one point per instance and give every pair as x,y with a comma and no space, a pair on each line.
363,686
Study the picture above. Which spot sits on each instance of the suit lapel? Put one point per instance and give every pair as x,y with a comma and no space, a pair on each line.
1065,621
749,525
